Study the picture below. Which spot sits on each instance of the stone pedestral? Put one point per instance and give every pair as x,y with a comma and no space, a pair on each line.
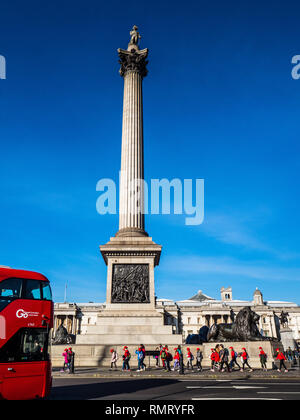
287,338
130,316
252,348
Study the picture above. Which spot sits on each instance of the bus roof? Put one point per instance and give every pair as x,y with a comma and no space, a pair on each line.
6,272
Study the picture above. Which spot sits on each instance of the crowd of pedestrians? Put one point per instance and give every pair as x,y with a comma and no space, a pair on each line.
222,359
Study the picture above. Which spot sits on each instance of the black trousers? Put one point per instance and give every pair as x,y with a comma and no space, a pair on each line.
234,362
245,362
282,364
224,362
263,364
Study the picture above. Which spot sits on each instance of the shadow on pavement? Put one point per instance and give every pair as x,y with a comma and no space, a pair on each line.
111,390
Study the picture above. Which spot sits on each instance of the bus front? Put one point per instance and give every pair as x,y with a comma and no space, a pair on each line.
26,318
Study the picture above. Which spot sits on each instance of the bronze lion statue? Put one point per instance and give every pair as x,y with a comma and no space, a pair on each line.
244,328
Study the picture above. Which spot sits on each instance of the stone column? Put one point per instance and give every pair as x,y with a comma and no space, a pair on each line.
131,206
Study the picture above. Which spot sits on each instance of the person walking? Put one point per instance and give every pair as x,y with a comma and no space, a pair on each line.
144,356
233,361
245,358
190,359
213,359
163,356
281,357
181,364
217,356
66,366
126,358
169,359
71,360
176,365
224,358
156,357
263,359
290,354
199,358
114,358
140,357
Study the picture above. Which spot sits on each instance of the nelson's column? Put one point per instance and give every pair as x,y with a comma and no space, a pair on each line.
130,316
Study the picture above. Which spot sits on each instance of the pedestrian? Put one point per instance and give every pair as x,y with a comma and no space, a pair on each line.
66,366
233,361
181,364
144,356
140,357
213,359
224,357
169,359
281,357
245,358
71,360
199,358
163,356
176,365
114,358
290,354
263,359
190,359
126,359
217,356
156,357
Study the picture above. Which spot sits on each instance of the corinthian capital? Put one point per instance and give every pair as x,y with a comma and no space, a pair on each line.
133,60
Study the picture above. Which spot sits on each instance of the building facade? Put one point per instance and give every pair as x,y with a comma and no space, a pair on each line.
189,316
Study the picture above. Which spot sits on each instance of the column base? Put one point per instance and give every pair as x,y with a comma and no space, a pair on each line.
131,232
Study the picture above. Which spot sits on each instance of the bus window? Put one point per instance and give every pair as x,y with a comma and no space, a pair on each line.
33,290
34,347
46,289
28,345
10,288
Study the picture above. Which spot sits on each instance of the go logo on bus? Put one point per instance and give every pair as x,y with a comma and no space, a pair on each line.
22,314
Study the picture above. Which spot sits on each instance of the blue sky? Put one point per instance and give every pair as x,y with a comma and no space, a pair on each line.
219,104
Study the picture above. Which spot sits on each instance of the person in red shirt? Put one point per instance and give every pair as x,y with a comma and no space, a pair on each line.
263,359
212,358
176,359
215,358
245,358
233,361
126,358
281,357
190,359
163,355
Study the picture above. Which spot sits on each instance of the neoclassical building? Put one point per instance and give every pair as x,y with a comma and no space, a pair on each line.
188,316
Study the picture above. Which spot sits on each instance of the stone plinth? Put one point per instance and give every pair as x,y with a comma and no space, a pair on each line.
287,338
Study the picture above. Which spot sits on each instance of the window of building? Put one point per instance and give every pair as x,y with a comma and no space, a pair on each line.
189,320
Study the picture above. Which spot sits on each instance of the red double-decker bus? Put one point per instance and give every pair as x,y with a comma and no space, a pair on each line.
26,318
